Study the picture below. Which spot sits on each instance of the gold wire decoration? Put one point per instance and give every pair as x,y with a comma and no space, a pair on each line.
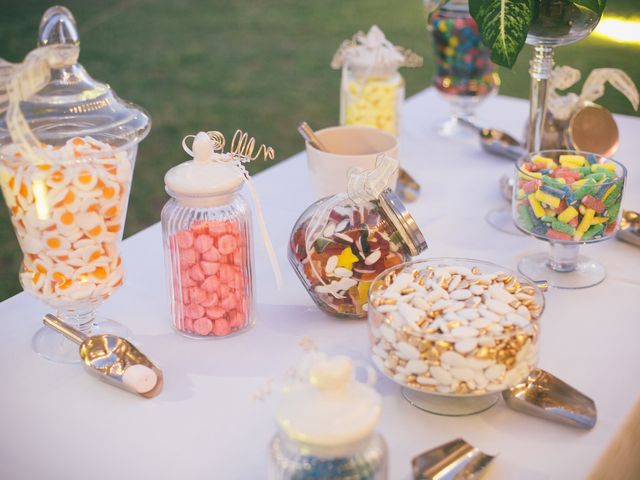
242,146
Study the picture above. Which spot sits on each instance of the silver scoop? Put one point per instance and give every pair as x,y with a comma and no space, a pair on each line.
546,396
406,188
109,357
496,142
455,460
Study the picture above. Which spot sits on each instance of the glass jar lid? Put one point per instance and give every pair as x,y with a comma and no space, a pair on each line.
330,408
373,51
72,104
403,221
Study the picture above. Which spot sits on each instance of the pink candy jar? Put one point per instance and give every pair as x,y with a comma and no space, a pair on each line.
206,229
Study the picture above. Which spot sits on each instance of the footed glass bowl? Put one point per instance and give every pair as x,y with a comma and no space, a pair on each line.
454,332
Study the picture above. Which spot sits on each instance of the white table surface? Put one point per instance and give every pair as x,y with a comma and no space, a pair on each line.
58,422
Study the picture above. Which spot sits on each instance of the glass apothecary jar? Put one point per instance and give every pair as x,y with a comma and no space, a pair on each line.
342,242
372,89
206,230
327,427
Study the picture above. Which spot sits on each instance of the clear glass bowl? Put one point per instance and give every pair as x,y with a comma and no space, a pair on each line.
567,205
447,365
561,22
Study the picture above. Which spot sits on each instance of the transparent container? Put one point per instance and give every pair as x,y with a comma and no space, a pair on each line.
327,426
338,246
372,97
206,231
68,146
465,74
568,199
455,343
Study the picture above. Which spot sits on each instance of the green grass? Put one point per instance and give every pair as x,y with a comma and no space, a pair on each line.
262,66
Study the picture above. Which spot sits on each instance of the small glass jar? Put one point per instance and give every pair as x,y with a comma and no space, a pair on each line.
327,427
206,229
372,97
338,246
372,90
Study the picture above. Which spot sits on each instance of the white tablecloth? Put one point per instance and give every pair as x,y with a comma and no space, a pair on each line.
58,422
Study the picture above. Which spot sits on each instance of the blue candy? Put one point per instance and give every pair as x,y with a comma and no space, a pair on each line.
556,192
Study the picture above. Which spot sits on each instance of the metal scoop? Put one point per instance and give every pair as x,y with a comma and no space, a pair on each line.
497,142
110,358
455,460
407,188
546,396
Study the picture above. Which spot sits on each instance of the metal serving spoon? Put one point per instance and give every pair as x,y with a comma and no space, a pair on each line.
113,359
496,141
407,188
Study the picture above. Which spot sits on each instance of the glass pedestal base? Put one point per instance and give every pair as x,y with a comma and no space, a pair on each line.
501,219
57,348
452,128
452,406
584,273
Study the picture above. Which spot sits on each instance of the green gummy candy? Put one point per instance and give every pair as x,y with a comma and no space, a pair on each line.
613,196
612,213
586,189
548,219
552,182
592,231
525,218
584,170
563,227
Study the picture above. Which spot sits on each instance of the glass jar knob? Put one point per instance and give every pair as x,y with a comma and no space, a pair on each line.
58,26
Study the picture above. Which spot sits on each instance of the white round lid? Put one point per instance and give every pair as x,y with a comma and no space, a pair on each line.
203,176
332,409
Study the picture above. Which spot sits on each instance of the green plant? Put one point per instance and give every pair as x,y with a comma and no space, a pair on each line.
505,24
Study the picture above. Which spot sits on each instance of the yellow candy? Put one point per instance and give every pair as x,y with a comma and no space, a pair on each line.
568,214
597,220
608,192
363,293
346,259
372,103
529,175
547,198
606,166
585,223
572,161
547,162
538,211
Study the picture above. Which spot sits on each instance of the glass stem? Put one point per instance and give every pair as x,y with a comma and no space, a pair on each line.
563,257
540,70
80,320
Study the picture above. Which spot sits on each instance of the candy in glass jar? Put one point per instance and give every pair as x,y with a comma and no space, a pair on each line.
206,228
372,89
342,242
327,424
464,74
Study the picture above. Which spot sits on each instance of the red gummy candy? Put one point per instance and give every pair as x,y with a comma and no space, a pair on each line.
592,202
557,235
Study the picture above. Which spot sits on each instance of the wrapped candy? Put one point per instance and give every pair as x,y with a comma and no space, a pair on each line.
342,242
372,90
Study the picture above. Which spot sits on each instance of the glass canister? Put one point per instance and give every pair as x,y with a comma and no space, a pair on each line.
327,427
206,229
342,242
372,89
68,146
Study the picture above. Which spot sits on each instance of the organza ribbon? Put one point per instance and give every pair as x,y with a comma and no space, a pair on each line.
563,77
19,82
363,186
242,152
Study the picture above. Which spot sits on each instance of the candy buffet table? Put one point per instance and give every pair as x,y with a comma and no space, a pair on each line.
58,422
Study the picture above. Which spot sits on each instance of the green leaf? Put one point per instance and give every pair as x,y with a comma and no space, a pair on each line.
504,25
596,6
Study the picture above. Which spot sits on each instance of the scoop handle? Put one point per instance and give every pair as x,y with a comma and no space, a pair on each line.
68,331
309,135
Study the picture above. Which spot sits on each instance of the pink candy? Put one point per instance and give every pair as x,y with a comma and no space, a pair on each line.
210,283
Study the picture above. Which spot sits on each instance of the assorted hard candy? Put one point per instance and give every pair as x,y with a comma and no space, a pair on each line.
210,278
463,64
452,329
338,265
68,211
573,198
374,101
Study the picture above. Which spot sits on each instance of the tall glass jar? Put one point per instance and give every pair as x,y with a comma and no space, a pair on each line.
339,245
372,97
206,229
372,89
327,427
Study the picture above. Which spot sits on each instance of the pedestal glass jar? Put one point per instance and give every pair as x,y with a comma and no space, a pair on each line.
465,75
567,199
67,150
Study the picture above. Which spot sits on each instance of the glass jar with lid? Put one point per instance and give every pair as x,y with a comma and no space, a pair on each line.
206,230
372,89
327,427
68,146
342,242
